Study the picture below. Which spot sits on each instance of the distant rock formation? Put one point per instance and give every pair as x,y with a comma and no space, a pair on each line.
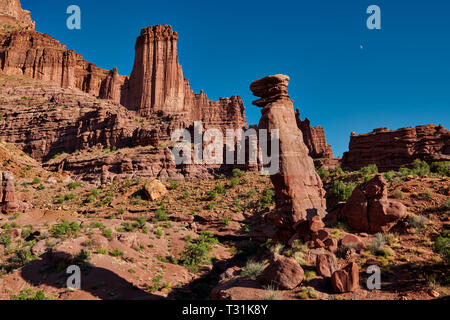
8,202
39,56
390,150
157,84
13,17
299,190
314,138
369,209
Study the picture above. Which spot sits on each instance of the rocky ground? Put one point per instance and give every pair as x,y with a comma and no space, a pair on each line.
205,239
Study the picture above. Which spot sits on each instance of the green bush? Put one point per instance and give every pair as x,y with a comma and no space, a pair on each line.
417,221
237,173
267,198
447,204
421,168
252,270
196,252
29,294
441,168
370,169
343,190
442,245
322,173
233,182
65,229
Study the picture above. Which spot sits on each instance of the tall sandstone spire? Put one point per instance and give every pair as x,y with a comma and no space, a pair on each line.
157,84
298,188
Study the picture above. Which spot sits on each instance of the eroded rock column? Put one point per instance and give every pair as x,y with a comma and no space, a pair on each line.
298,189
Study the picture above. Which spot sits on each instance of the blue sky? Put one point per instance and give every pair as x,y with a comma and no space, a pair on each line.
400,77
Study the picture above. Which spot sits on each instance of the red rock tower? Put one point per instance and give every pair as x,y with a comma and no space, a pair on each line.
157,84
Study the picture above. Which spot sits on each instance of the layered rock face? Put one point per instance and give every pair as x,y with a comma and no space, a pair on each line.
314,138
157,84
39,56
8,203
390,150
299,190
369,209
45,121
12,16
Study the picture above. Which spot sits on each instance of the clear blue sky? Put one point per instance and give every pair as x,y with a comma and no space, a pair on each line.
400,77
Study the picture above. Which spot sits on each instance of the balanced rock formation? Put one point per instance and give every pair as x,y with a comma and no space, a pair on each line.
8,202
369,209
157,84
13,17
390,150
314,138
299,190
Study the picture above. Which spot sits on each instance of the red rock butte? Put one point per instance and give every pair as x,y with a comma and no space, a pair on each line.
392,149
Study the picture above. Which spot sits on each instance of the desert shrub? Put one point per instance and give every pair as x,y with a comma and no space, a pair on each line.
161,214
447,204
196,252
426,195
370,169
116,253
36,181
322,173
272,293
65,229
441,168
220,189
421,168
267,198
442,245
252,193
172,185
343,190
398,194
252,270
417,221
29,294
377,245
403,172
389,176
233,182
74,185
107,233
309,275
308,293
5,240
237,173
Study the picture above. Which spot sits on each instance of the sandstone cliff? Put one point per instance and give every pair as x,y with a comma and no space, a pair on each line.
13,17
390,150
314,138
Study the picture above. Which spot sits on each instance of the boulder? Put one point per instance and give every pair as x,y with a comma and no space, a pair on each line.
283,272
352,241
155,190
369,209
346,279
326,265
